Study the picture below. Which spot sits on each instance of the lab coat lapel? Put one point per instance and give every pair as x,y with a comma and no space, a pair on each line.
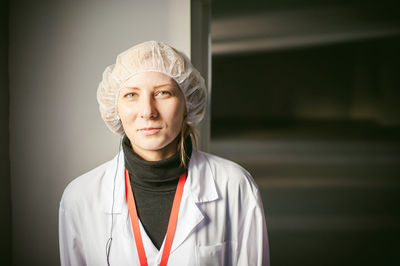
199,188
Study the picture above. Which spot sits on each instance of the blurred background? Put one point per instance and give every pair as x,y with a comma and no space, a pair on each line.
304,94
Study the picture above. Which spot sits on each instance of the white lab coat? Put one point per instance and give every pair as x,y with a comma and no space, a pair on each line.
221,219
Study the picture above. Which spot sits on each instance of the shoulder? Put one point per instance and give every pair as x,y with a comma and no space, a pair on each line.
221,164
81,188
226,172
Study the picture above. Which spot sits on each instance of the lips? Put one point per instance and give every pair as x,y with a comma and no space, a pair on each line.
147,131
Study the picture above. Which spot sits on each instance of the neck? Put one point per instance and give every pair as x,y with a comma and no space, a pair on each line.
160,175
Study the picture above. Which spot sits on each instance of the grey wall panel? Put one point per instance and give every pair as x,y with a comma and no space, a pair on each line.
58,51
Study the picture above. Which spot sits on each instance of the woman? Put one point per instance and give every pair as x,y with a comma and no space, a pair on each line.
160,200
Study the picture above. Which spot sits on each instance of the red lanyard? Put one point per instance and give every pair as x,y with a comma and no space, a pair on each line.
171,224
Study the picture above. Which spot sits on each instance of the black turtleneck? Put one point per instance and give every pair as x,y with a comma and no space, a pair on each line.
153,187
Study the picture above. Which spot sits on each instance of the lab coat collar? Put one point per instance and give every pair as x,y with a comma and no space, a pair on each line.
200,181
201,178
114,171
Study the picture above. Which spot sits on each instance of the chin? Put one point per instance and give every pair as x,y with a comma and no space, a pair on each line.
153,146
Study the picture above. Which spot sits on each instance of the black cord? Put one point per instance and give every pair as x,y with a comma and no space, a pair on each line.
109,241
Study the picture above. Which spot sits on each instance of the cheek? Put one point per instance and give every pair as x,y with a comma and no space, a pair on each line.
176,114
126,113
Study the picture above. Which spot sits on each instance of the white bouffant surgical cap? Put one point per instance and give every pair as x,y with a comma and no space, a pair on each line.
157,57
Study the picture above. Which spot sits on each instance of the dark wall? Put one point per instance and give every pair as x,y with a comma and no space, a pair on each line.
316,121
5,221
229,8
347,81
318,129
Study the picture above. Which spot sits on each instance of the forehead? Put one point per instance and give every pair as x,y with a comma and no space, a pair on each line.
149,79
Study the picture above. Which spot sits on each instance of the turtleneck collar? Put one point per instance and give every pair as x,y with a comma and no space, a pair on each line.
158,175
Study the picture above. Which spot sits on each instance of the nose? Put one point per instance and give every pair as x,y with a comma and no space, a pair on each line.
148,109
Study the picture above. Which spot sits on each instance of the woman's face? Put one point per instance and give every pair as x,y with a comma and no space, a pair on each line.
152,108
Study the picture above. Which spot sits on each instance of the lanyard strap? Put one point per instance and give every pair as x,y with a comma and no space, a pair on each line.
171,224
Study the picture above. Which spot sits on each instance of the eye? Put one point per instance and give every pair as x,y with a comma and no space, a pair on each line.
163,94
130,95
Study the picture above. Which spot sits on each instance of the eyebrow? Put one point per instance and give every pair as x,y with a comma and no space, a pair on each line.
163,85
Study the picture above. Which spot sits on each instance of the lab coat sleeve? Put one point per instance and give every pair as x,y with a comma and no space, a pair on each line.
70,244
253,248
